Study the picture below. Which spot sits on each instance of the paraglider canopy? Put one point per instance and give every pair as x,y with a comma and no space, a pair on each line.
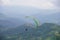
36,21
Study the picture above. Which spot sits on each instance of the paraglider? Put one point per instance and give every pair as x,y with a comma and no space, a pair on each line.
37,23
26,29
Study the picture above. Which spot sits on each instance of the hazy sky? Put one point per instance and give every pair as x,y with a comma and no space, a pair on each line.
43,4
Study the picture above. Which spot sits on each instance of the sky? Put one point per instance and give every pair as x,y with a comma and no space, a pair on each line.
42,4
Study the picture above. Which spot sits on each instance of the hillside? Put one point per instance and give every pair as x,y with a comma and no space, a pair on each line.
8,22
44,31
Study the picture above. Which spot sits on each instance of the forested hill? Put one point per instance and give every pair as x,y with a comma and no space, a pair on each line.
43,31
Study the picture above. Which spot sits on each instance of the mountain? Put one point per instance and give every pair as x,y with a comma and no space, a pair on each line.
44,15
51,18
19,29
8,22
45,30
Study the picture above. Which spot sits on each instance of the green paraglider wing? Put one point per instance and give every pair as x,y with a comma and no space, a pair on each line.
37,23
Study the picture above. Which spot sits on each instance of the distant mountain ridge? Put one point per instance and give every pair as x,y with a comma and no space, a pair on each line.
7,23
44,15
51,18
46,27
44,30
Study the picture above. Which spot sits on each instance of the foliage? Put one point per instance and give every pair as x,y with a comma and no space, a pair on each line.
46,31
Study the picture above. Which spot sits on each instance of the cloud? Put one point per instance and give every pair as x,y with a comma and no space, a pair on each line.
55,2
0,2
44,4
